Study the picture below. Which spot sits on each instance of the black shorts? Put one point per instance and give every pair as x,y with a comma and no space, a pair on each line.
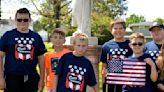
21,83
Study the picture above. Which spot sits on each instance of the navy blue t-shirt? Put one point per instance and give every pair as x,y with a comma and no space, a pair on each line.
113,50
21,51
75,73
153,49
148,84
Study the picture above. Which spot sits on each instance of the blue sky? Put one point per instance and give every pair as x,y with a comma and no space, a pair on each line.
150,9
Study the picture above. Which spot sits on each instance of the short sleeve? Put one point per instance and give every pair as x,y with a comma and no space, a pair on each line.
46,60
41,49
103,56
4,42
91,76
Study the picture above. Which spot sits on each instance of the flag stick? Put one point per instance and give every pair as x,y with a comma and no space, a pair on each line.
114,88
107,72
106,88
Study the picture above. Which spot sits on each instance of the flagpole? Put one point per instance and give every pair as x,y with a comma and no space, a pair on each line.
107,72
106,87
114,88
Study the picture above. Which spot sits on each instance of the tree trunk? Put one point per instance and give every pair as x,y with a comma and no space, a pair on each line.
57,13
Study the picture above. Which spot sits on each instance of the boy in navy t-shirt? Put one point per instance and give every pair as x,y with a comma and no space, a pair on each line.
137,42
23,49
153,47
74,71
116,49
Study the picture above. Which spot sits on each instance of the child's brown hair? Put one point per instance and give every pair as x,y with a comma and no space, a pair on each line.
59,31
81,37
136,35
118,21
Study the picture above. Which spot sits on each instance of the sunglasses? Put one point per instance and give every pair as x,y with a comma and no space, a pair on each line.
24,20
139,44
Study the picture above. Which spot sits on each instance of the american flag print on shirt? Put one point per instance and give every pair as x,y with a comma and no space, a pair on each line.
24,49
126,72
154,54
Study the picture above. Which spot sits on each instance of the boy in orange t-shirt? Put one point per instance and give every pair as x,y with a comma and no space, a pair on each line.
57,38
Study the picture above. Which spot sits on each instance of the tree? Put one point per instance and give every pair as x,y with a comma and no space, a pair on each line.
100,27
160,20
134,19
103,11
117,8
52,10
112,8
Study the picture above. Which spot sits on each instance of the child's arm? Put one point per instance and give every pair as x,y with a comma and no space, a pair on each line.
55,83
41,64
154,73
104,69
2,79
95,87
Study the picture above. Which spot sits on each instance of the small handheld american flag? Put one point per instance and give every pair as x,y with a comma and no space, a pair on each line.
126,72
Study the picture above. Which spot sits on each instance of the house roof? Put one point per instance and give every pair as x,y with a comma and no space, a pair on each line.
4,21
141,24
129,30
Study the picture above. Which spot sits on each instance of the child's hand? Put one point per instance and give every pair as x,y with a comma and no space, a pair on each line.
104,72
149,61
154,73
2,83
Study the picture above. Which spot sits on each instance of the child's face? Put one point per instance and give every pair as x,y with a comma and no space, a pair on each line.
80,47
157,33
118,31
137,45
57,40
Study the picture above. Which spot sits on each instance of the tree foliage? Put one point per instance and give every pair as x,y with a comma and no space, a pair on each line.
54,12
112,8
160,20
103,12
100,27
117,8
134,19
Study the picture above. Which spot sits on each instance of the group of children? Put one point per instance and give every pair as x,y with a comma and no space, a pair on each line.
119,49
71,71
66,70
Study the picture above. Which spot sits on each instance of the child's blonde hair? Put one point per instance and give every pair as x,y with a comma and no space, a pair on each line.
80,37
160,62
136,35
